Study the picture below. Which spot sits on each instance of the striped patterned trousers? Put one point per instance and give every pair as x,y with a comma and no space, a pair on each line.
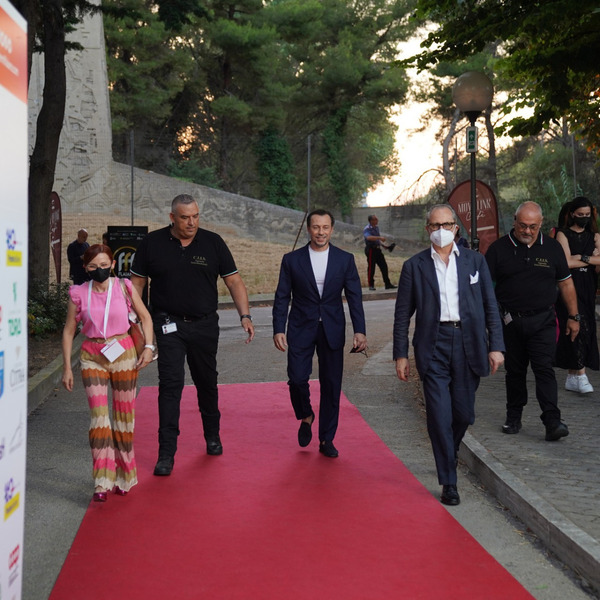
112,448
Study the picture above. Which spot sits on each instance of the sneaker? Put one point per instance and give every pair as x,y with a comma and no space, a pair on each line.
511,426
571,383
585,387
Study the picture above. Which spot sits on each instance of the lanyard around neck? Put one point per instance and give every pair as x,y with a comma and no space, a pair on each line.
106,307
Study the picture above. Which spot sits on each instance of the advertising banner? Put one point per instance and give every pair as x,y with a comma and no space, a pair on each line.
13,296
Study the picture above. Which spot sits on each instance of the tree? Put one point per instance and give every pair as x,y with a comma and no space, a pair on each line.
548,49
48,23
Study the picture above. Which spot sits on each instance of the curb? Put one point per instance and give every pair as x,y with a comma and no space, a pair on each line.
40,386
572,545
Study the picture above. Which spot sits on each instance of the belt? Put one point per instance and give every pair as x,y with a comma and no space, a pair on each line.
531,313
185,318
455,324
120,336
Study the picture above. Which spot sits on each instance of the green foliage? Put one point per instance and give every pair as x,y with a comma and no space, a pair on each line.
548,49
190,170
276,169
46,307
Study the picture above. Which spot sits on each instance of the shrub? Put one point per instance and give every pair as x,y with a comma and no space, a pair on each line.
46,307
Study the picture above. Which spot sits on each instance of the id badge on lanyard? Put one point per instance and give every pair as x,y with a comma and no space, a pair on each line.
111,350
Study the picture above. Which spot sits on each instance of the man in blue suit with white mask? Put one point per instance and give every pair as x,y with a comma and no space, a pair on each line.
457,339
313,279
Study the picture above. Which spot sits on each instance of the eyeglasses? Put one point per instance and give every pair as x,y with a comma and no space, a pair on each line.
436,226
524,227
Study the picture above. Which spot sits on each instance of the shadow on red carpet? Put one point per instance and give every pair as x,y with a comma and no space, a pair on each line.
271,520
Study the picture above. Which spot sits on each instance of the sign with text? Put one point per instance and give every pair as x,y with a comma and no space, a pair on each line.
123,241
487,211
13,296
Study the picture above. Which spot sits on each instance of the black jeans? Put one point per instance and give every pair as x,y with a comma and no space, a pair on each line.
531,340
198,341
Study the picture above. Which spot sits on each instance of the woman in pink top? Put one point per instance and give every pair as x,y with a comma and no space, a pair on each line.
107,354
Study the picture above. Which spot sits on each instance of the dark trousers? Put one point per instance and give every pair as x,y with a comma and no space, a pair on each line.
449,388
531,340
375,257
198,341
331,368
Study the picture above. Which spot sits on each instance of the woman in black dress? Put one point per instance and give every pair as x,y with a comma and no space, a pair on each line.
581,242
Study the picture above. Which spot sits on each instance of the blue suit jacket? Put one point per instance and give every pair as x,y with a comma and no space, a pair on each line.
418,291
297,283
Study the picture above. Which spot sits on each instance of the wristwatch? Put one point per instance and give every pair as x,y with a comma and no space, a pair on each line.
242,317
151,346
576,317
585,258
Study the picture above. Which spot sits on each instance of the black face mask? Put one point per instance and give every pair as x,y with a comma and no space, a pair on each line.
100,274
581,221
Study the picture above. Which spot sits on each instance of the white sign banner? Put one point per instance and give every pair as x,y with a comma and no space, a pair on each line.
13,296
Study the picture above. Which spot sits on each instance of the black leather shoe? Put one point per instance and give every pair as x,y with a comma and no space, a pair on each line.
164,466
305,432
391,287
214,446
371,288
328,449
511,426
556,431
450,495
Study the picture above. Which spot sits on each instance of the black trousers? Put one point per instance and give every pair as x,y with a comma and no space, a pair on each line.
531,340
198,341
331,369
375,257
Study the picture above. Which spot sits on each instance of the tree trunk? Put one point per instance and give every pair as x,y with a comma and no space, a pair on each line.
48,128
447,170
492,166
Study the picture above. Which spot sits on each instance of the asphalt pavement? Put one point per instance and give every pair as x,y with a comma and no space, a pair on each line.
534,505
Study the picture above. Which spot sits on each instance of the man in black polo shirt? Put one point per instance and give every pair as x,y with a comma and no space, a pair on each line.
526,267
183,263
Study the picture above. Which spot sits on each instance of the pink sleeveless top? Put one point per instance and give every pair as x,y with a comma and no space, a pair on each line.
93,321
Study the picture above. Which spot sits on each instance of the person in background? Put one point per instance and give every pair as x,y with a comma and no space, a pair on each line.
527,267
461,241
107,355
374,242
75,252
313,279
580,240
457,338
183,263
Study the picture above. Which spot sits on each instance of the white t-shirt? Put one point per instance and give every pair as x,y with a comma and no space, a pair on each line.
318,260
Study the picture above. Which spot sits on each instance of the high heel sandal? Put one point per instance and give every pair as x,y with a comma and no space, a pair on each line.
100,496
120,492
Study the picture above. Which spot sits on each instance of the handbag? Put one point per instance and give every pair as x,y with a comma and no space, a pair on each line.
135,329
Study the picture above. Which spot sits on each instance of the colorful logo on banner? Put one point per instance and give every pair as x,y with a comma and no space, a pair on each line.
11,499
14,257
13,564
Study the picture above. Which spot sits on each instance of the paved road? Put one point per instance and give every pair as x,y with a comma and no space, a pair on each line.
560,479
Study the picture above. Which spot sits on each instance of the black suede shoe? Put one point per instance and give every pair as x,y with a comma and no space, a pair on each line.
391,287
305,432
556,431
164,466
328,449
450,495
511,426
214,446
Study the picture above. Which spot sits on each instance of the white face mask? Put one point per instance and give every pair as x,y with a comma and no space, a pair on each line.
442,237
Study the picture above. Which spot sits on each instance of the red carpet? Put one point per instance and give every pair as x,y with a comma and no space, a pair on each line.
270,520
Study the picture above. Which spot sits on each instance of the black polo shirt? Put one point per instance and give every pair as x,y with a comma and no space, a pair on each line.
525,277
183,279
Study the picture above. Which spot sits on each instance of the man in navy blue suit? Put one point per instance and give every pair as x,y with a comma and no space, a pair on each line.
457,339
313,278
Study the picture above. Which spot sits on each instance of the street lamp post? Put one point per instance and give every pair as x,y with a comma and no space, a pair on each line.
472,94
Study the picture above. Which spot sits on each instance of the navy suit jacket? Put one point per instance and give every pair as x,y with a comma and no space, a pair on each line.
297,283
419,291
